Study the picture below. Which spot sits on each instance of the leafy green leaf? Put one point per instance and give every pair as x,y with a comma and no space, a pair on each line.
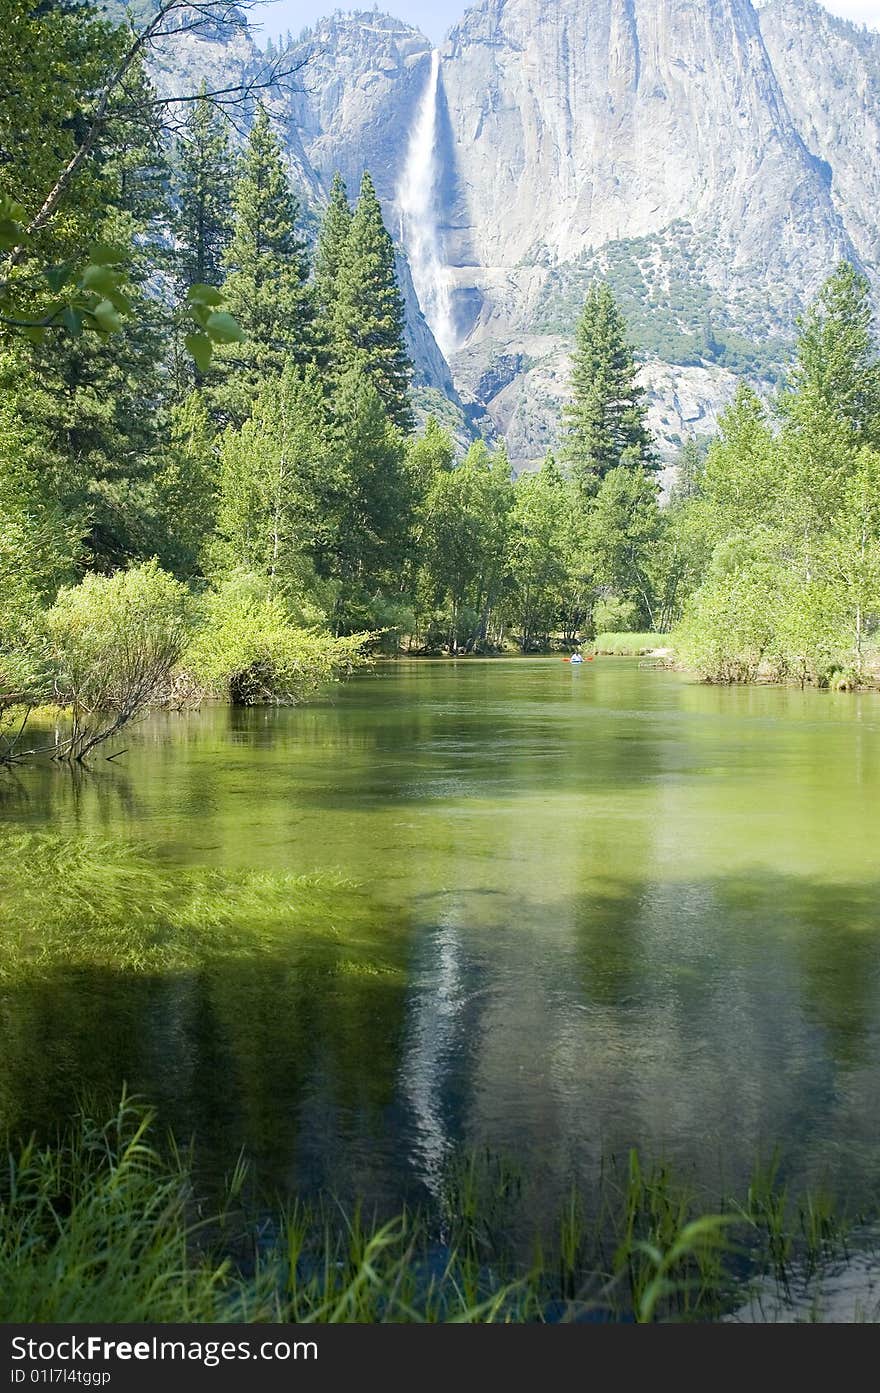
57,276
204,295
10,210
222,328
72,321
201,348
100,278
108,254
10,233
119,301
107,317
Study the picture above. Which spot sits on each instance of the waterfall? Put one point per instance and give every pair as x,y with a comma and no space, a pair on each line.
417,201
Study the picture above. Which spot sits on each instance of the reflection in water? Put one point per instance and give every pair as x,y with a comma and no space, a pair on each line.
597,909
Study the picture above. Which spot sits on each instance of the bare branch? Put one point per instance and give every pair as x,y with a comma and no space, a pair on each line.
172,18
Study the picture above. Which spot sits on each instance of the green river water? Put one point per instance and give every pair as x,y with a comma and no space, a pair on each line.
558,912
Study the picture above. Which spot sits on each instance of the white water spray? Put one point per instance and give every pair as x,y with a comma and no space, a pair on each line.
416,197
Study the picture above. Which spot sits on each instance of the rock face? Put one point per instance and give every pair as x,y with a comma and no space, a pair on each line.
829,74
712,161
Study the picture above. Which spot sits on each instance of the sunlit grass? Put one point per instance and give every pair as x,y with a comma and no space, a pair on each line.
629,645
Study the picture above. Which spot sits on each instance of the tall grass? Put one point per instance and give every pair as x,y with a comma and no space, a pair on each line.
630,645
104,1226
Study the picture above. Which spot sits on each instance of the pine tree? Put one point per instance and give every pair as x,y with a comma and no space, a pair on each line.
376,497
266,288
329,251
606,419
203,183
368,313
186,485
99,405
332,239
837,365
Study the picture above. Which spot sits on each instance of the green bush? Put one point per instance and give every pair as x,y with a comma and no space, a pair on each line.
614,615
248,648
115,642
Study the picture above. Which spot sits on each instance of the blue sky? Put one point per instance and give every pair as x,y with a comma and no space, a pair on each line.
434,17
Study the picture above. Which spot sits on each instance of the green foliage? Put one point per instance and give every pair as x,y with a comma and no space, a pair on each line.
249,649
466,545
375,502
202,179
836,360
606,420
628,643
790,516
66,271
613,616
186,485
107,454
625,527
115,642
266,286
537,554
329,254
661,286
368,320
278,481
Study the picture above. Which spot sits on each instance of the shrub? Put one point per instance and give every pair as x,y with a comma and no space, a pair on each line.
249,649
115,641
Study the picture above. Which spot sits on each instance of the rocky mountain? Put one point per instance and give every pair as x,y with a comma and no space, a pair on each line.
712,160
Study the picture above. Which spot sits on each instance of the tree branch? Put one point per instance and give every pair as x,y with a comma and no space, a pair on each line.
160,27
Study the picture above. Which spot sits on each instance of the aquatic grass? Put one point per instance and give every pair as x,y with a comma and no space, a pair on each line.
95,1228
767,1209
824,1230
667,1251
92,901
104,1225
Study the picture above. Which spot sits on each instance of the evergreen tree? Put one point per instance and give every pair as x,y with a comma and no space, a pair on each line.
606,419
836,362
266,287
368,311
376,498
186,484
203,184
99,404
330,249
